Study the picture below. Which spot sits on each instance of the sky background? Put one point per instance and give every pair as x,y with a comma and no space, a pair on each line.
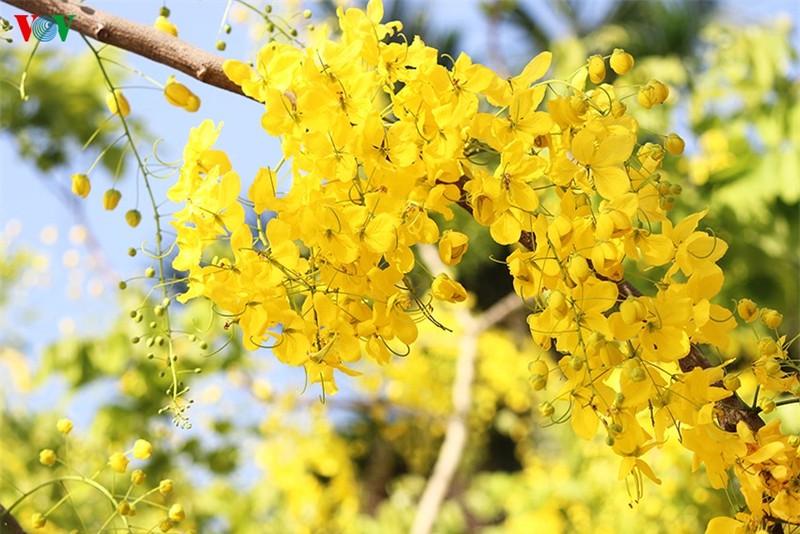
73,292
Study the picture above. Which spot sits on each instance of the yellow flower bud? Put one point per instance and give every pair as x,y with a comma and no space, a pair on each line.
138,477
771,318
747,310
165,525
47,457
177,513
38,520
133,218
767,347
111,199
142,449
767,405
731,382
597,69
179,95
772,366
447,289
165,486
162,23
546,409
124,508
452,247
116,101
621,61
539,374
81,185
674,144
64,426
557,304
118,462
652,94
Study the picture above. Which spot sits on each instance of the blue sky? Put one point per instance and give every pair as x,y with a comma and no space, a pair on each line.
73,295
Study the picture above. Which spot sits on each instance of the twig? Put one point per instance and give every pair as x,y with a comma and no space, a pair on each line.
456,434
144,41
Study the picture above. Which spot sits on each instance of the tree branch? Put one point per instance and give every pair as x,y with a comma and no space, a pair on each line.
456,434
8,523
144,41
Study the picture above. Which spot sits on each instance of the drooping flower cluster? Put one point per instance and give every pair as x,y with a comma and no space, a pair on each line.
378,136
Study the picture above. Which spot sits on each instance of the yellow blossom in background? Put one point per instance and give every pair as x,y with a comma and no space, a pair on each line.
165,487
138,477
118,462
64,426
47,457
142,449
117,103
177,513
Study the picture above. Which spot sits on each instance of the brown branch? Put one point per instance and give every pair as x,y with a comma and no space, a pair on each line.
139,39
8,523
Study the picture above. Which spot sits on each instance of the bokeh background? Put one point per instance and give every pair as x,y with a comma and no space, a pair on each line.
263,455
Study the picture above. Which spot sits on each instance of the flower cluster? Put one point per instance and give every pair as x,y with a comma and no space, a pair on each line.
378,136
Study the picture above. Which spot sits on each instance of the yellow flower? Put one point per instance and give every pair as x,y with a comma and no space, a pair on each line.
621,61
674,144
118,462
605,158
142,449
38,520
47,457
179,95
138,477
116,101
747,310
771,318
447,289
597,69
177,513
111,199
165,486
452,247
64,426
162,23
652,94
133,218
81,185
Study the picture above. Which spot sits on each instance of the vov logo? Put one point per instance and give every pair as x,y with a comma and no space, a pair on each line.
44,28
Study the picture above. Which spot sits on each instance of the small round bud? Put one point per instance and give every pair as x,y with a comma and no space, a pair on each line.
576,362
597,69
165,487
138,477
47,457
149,272
268,9
118,462
610,441
546,409
133,218
227,28
772,366
142,449
674,144
165,526
293,32
203,345
177,513
135,339
158,310
132,252
132,314
122,285
221,45
771,318
124,508
81,186
621,61
306,13
164,11
38,520
64,426
731,382
767,405
111,199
